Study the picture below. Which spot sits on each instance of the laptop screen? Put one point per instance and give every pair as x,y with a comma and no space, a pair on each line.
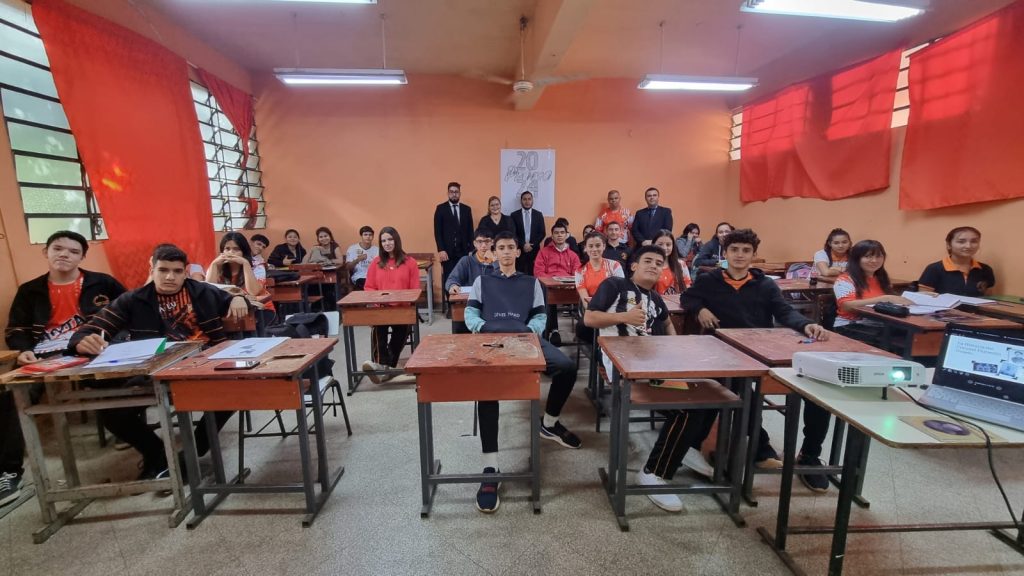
982,362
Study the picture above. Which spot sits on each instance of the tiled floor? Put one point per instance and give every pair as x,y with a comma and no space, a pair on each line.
371,524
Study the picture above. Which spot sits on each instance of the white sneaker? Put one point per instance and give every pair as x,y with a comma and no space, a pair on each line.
403,379
667,502
370,366
695,461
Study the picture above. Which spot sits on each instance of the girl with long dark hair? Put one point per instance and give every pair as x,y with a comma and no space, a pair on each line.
393,269
833,259
864,282
674,277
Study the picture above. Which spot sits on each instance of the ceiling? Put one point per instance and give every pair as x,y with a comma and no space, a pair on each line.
593,38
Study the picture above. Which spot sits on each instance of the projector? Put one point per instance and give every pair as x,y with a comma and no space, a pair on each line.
858,369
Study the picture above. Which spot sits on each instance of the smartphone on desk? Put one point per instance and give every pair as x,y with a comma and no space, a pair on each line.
237,365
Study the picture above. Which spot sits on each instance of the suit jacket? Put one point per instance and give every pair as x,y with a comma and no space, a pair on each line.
453,235
537,229
645,227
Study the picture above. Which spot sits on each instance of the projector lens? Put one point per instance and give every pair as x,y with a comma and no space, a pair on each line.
898,375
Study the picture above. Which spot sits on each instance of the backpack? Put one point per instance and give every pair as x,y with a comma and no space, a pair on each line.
799,270
306,325
283,275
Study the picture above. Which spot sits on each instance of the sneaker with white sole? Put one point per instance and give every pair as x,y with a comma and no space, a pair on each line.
667,502
560,434
695,461
487,500
403,379
371,366
10,487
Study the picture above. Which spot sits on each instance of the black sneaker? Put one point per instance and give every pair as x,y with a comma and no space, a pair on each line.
487,500
10,487
815,482
151,470
555,338
560,434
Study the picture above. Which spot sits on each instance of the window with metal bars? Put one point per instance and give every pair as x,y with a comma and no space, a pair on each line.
55,191
236,191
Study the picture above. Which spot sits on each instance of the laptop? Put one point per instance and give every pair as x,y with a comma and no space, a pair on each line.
980,374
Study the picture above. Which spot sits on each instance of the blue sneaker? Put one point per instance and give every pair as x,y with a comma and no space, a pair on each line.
487,500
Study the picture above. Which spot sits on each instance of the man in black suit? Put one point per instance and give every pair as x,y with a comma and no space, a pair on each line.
453,233
530,230
651,219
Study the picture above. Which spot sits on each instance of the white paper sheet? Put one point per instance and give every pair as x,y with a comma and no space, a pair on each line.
248,348
128,353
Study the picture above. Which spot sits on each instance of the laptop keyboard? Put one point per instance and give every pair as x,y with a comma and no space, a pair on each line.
975,406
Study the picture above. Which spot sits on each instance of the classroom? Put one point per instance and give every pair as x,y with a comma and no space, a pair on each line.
444,204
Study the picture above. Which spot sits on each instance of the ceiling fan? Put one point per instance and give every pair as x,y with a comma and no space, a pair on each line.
523,85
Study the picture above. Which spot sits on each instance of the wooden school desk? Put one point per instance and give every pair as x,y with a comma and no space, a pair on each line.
923,333
457,304
1012,311
869,417
425,263
775,347
276,384
672,358
771,268
375,308
473,368
60,401
293,292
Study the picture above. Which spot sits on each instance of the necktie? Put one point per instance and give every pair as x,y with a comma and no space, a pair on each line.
455,212
526,224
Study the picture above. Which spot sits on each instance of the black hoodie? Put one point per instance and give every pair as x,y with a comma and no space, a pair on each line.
754,305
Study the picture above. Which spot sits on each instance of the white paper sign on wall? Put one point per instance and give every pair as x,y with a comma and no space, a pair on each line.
532,170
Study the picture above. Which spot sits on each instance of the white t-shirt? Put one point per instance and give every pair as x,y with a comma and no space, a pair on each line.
822,256
361,268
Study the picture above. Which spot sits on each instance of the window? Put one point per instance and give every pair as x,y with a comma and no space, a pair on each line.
900,108
234,189
55,192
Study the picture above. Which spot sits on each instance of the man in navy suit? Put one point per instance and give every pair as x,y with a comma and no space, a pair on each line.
530,230
453,233
651,219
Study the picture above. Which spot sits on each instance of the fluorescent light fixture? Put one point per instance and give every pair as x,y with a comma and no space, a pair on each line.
339,77
699,83
334,1
846,9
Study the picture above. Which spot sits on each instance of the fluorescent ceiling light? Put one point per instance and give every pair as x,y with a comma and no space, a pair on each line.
336,77
334,1
700,83
847,9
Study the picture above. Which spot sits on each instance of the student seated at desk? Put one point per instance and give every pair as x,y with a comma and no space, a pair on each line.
959,273
864,282
45,312
675,277
634,308
393,269
556,259
743,297
713,253
831,260
591,274
326,251
510,301
170,306
258,243
581,249
616,249
689,243
470,267
234,266
359,256
291,252
570,240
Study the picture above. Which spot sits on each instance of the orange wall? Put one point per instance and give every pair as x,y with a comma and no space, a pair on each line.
793,228
348,157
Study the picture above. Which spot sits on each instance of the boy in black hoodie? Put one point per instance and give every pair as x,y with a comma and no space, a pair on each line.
743,297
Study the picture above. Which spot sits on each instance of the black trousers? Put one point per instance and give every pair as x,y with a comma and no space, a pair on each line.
129,425
676,437
562,371
360,283
388,342
12,442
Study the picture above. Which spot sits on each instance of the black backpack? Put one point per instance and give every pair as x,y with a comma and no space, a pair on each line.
306,325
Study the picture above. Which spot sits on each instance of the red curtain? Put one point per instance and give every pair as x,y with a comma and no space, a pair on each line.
128,102
964,133
236,104
828,137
